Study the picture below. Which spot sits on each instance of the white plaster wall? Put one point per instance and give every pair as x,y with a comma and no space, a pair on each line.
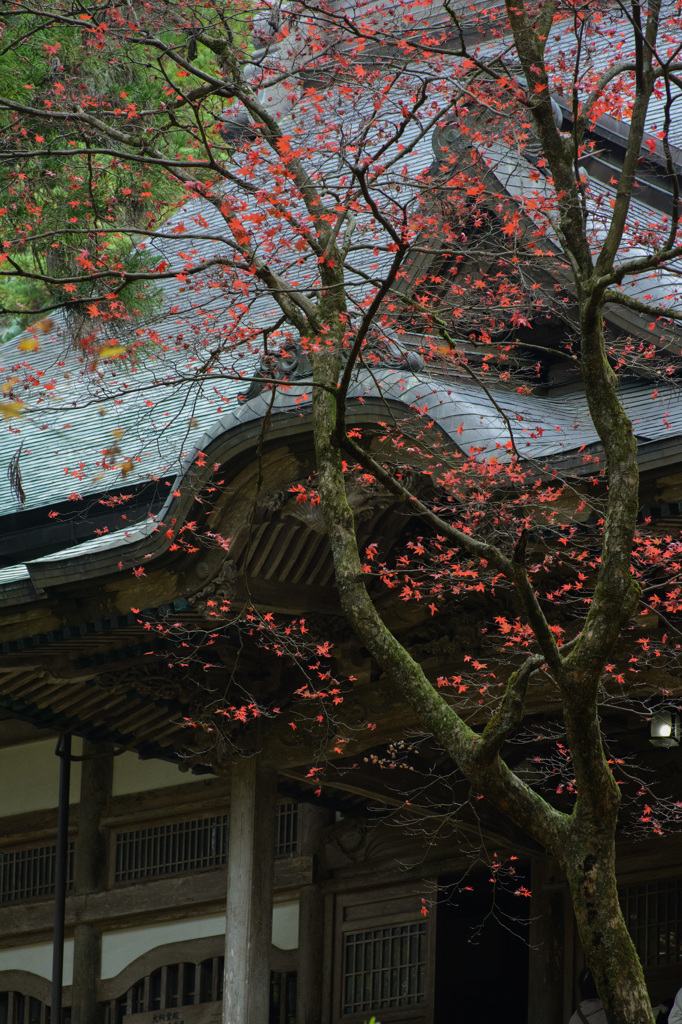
132,775
285,925
29,777
122,947
38,960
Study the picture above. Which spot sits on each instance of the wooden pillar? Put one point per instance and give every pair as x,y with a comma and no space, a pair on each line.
546,960
90,875
312,822
61,874
250,874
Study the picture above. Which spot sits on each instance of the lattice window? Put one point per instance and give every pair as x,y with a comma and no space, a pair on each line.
187,984
282,997
286,830
653,912
168,988
384,967
30,873
17,1008
172,848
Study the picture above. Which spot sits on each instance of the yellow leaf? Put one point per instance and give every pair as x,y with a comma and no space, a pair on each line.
109,351
10,409
29,345
9,384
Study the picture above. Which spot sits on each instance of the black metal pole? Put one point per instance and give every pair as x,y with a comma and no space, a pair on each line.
61,872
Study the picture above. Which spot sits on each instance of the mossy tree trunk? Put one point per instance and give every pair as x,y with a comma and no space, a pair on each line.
583,842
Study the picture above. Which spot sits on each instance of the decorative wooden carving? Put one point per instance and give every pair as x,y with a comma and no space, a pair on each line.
220,588
145,680
364,499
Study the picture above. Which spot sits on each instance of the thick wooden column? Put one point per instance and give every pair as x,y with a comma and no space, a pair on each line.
546,959
312,822
90,875
250,873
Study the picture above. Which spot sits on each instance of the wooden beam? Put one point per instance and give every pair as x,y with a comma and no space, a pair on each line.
97,772
163,899
250,874
312,824
90,876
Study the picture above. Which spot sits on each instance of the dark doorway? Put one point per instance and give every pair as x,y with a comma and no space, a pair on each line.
481,953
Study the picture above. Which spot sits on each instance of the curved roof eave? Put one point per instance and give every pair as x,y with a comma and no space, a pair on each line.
462,412
472,417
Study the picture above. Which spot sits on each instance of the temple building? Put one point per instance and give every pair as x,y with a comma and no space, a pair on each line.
229,845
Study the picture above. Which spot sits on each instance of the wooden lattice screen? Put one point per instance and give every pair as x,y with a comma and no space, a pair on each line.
286,829
653,912
170,848
148,852
187,984
29,873
384,967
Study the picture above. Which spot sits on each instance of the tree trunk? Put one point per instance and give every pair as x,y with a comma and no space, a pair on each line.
606,942
584,842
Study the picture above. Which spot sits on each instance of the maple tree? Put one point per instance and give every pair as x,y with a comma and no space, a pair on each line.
400,186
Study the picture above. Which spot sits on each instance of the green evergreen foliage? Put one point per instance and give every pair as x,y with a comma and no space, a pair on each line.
69,208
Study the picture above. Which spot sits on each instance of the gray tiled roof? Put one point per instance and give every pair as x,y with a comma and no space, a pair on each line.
614,42
66,429
542,430
645,231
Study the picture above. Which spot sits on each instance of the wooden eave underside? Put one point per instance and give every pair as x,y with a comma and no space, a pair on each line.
76,659
127,718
